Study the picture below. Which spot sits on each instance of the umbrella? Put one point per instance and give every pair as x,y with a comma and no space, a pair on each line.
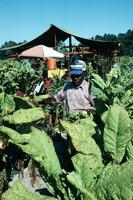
42,51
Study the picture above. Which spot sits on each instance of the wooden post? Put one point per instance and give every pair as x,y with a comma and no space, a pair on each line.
70,44
70,50
55,41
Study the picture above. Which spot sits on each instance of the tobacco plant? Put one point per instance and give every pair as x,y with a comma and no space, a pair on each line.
99,144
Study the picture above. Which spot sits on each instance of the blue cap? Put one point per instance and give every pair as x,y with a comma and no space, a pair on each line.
76,69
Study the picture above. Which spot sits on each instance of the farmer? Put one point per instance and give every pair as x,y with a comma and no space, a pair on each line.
75,94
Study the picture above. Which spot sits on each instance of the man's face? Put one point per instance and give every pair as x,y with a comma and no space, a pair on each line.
77,79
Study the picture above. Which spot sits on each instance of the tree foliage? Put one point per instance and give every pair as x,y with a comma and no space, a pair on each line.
125,38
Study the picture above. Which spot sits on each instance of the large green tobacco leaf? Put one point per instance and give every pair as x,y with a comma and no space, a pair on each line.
75,179
25,116
85,125
13,135
117,132
80,136
88,161
88,167
36,144
115,182
40,148
27,102
19,192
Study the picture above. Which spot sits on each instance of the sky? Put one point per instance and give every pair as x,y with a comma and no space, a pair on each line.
27,19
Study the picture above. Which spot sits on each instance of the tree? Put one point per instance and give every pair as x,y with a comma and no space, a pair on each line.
12,43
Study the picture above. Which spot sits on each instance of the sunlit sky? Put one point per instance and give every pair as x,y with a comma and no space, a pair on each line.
26,19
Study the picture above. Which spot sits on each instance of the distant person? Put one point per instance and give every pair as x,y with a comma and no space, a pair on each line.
41,85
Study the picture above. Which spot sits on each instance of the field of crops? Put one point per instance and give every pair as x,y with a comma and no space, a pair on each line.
80,156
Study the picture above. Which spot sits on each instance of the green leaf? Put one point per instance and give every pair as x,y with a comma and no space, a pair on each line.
130,150
75,179
89,167
38,145
80,135
117,89
98,81
116,132
115,182
14,135
1,103
126,97
104,116
40,148
7,104
113,76
99,94
25,116
19,192
132,125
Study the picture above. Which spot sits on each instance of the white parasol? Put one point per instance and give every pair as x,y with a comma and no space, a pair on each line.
42,51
